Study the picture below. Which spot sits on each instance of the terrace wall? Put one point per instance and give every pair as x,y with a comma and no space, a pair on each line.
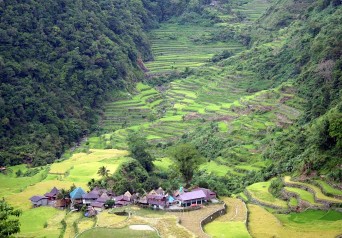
258,202
213,216
324,202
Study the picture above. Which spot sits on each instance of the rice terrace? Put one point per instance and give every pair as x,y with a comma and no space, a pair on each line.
173,119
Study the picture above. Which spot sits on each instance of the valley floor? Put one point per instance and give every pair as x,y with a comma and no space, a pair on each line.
245,113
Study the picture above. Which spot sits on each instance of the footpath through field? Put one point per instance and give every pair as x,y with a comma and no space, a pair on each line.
232,224
192,220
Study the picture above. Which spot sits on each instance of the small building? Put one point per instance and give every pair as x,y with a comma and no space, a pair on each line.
143,202
208,193
122,200
103,198
38,201
158,201
97,206
160,191
128,194
190,198
89,198
76,195
100,191
52,195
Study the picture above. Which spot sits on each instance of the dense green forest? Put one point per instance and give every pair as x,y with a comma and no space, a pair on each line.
59,61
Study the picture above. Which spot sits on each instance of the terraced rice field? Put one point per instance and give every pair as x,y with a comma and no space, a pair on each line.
318,193
304,195
309,224
328,189
259,191
175,47
41,222
123,232
232,224
253,9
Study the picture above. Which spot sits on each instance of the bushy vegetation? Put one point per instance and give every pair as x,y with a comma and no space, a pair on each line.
9,224
59,67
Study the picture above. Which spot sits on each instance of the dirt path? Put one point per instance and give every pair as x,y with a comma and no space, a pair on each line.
236,210
192,220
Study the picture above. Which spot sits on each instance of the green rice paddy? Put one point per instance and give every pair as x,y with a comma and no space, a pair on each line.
328,189
260,192
118,233
227,230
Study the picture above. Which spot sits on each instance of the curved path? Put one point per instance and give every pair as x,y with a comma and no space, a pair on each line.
192,220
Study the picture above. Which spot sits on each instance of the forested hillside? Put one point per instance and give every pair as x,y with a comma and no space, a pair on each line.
59,61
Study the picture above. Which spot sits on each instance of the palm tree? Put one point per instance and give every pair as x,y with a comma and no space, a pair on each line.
103,171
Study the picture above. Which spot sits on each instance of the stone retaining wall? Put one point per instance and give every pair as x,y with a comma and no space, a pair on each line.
324,202
324,192
261,203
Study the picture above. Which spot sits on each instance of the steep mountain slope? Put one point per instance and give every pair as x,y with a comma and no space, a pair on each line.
59,60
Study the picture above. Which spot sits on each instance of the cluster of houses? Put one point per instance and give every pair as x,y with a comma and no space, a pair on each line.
98,199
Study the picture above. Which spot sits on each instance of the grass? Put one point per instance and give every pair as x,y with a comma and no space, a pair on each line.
163,164
32,222
85,224
304,195
174,49
217,229
105,219
10,184
123,232
81,167
70,219
261,193
215,168
264,224
328,188
293,202
318,192
231,224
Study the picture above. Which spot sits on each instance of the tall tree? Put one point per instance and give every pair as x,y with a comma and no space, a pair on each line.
103,171
138,146
187,160
9,224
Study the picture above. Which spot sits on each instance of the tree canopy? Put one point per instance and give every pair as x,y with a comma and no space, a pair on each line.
187,160
9,224
138,145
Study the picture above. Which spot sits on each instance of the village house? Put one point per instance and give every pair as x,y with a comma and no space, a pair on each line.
52,196
122,200
190,198
209,195
38,201
76,196
157,201
90,197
